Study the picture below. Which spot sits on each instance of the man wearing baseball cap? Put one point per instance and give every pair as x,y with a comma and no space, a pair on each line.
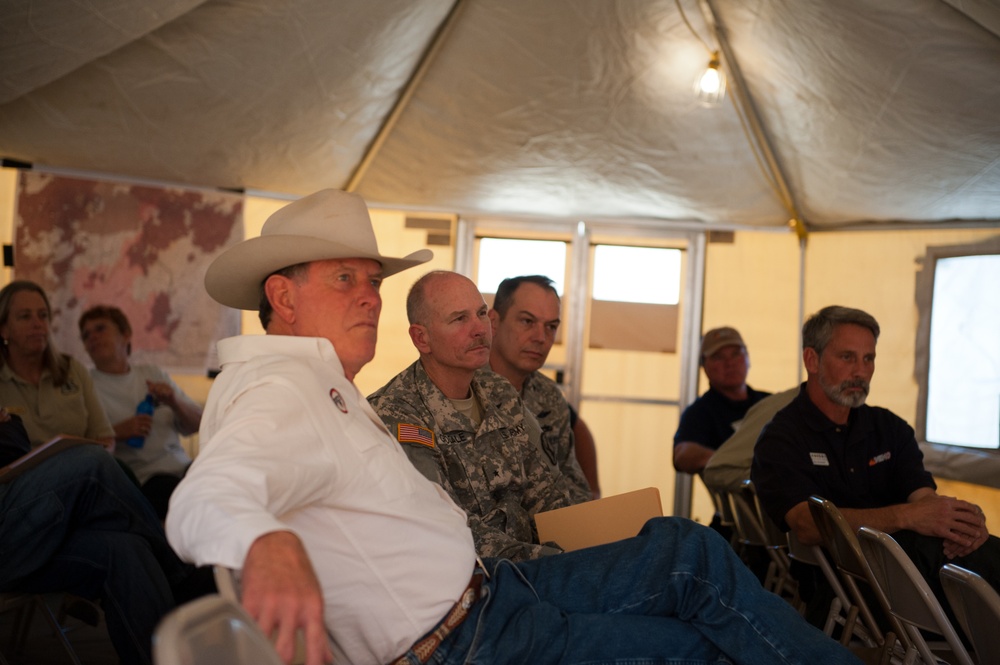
713,417
337,534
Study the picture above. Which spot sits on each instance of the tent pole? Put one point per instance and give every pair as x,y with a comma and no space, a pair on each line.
746,108
404,99
802,304
693,297
578,291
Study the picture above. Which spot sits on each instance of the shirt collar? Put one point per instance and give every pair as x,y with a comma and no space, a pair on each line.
245,347
7,374
857,422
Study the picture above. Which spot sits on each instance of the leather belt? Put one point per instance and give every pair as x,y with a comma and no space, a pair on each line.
425,647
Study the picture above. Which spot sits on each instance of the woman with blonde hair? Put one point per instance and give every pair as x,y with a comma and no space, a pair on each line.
51,392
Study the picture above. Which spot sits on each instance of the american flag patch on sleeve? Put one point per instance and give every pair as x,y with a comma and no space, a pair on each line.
414,434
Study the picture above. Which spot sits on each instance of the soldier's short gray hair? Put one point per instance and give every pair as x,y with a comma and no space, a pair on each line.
416,299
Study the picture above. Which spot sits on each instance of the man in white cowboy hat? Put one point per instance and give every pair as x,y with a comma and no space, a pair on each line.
300,485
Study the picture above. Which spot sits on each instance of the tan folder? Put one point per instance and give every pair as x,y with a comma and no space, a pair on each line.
600,521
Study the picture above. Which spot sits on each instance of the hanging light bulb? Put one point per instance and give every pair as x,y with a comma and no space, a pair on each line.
710,87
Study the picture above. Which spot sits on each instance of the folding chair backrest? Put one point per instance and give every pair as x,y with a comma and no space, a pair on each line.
842,609
721,504
745,521
977,606
752,531
841,544
910,598
211,631
839,539
807,554
229,583
773,535
25,606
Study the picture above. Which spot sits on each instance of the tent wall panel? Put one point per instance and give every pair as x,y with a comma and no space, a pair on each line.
752,284
876,271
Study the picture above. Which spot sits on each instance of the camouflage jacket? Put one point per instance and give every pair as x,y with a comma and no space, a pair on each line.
543,398
496,473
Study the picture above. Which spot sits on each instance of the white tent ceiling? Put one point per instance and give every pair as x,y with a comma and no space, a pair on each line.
877,110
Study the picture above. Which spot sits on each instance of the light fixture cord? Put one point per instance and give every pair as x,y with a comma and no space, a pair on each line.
684,18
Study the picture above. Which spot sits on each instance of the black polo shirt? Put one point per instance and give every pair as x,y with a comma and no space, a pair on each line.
871,462
710,418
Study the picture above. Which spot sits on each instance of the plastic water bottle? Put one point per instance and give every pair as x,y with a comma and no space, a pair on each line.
145,408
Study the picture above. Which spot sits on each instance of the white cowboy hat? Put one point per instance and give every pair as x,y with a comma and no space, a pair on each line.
329,224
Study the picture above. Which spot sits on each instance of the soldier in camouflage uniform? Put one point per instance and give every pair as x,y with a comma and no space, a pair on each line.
465,427
525,318
544,400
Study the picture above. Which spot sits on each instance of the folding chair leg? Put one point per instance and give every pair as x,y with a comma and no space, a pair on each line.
888,648
57,631
21,626
831,617
849,623
920,646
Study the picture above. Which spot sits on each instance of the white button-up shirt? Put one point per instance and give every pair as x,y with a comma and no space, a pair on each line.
289,444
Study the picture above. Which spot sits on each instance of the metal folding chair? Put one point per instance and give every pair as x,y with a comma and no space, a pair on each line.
25,606
227,581
841,544
720,501
911,600
211,630
842,611
230,586
977,606
755,528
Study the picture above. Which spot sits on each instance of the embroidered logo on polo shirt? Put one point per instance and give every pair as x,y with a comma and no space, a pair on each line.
338,400
819,459
414,434
878,459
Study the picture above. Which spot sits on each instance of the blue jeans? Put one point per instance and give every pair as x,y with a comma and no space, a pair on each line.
76,524
676,594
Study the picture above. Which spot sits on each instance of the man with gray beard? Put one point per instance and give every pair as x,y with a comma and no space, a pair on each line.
864,459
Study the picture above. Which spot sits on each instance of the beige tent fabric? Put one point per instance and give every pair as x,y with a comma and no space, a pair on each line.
876,111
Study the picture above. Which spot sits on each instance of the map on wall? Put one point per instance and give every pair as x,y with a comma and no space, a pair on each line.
142,249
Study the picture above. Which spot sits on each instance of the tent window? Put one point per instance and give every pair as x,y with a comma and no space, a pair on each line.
637,274
635,298
500,258
961,386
